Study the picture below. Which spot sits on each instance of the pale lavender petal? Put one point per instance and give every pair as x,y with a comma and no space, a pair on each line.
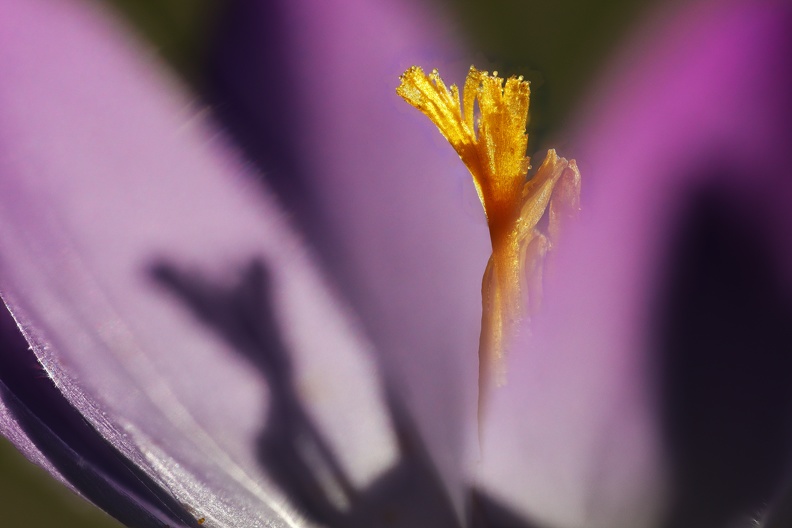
131,244
699,102
393,209
44,426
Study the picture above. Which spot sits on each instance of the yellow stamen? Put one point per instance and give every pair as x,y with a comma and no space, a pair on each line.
514,205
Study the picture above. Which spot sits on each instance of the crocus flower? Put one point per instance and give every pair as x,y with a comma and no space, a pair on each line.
199,364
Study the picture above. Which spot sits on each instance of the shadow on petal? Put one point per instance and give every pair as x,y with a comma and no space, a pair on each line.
291,447
724,343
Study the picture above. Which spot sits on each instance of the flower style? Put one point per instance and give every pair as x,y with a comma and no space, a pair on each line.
171,304
514,204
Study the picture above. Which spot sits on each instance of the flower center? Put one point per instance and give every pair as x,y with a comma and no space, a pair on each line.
494,153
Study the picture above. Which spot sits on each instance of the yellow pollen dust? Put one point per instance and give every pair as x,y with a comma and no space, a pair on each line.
493,146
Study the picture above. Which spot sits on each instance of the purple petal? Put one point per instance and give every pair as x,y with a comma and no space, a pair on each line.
391,201
125,223
49,431
700,101
16,358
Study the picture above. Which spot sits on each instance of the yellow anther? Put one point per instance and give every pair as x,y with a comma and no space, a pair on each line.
495,154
